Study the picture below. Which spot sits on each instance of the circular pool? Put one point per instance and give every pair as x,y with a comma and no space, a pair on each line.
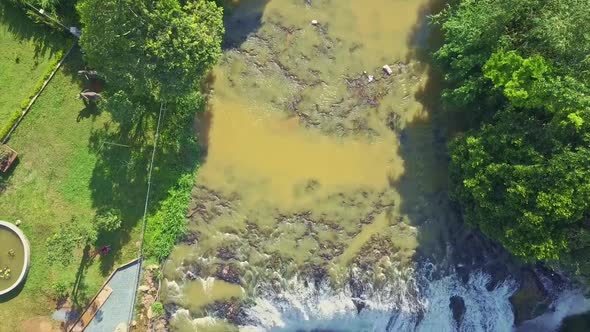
14,257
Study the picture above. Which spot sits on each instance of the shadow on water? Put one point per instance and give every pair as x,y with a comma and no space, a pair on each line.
241,18
443,238
577,323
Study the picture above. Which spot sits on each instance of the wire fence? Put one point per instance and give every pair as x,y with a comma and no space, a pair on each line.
161,114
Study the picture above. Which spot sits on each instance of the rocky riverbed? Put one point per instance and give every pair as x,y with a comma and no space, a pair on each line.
322,202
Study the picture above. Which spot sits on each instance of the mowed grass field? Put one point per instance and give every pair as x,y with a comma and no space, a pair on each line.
60,178
26,51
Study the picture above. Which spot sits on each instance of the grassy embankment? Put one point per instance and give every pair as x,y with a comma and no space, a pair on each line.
28,53
56,182
75,162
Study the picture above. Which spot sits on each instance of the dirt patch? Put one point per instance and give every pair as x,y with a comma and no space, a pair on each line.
148,295
39,324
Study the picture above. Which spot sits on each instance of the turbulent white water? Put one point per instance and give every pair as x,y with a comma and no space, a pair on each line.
404,307
570,302
304,308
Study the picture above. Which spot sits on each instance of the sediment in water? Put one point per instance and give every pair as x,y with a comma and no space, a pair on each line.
323,188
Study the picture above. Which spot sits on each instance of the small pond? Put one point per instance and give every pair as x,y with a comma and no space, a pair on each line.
13,257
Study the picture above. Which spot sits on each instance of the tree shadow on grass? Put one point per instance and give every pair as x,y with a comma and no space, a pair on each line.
120,177
46,40
79,291
90,110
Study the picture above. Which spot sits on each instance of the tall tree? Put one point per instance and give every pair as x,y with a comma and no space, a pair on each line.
156,48
45,4
522,173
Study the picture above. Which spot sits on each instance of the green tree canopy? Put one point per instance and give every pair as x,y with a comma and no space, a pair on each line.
157,48
522,173
45,4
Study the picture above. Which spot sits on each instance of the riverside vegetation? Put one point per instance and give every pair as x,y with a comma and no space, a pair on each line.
80,191
519,70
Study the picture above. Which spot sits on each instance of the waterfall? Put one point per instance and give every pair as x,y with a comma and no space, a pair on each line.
305,307
568,303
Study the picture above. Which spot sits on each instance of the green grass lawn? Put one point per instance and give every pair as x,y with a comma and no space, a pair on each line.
66,171
75,162
26,50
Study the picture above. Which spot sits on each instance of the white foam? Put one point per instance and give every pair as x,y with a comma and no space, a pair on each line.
570,302
403,306
305,308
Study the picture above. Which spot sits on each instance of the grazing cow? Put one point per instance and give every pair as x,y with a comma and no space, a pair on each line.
89,96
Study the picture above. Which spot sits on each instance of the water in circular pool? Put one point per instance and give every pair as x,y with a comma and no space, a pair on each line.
12,257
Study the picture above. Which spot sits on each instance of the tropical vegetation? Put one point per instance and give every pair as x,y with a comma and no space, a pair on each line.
519,70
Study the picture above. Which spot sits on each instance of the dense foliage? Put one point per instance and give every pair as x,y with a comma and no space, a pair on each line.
522,174
157,48
72,236
169,223
45,4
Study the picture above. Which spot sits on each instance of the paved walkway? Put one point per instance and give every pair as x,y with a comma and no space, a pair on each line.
117,308
93,309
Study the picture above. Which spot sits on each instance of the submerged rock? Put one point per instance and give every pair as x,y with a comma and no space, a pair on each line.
457,306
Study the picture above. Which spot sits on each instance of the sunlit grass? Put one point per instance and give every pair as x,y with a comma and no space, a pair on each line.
55,181
26,51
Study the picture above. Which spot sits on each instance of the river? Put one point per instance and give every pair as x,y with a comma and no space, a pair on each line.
322,202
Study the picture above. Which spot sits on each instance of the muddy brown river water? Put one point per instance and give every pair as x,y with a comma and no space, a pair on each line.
304,163
324,184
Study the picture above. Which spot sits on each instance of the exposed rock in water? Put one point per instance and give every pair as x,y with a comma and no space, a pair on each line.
576,323
231,310
531,299
457,305
228,273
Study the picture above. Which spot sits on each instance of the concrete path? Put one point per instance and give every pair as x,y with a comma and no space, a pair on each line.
93,309
117,308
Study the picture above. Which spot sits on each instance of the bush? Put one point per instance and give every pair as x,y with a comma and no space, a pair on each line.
60,290
8,125
158,309
109,221
165,227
